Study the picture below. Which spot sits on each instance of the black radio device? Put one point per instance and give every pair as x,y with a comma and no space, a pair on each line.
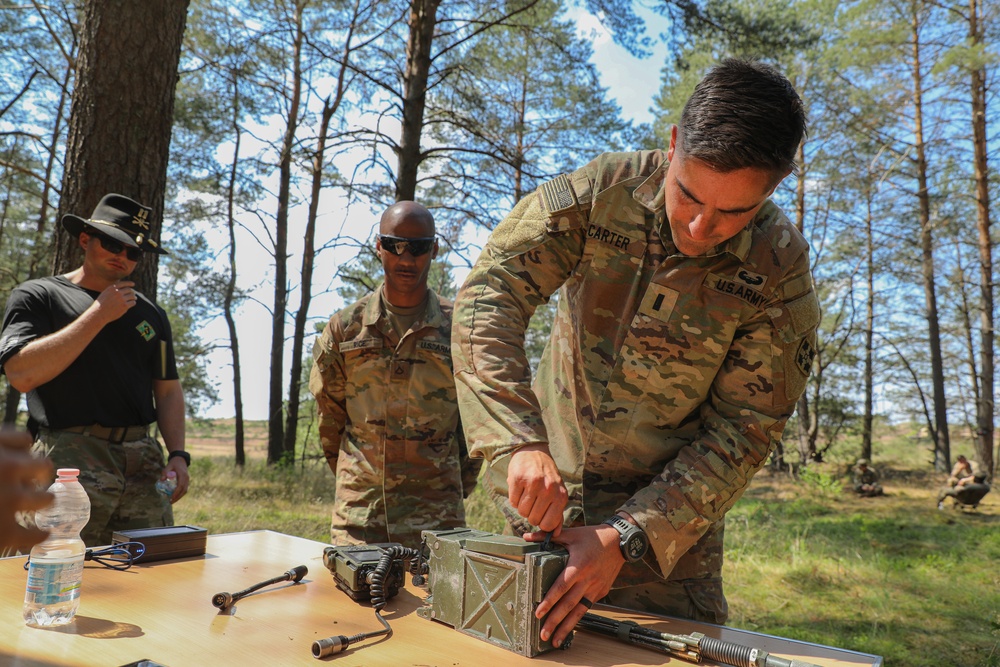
352,567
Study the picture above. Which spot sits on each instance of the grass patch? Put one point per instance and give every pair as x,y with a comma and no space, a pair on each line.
891,576
805,558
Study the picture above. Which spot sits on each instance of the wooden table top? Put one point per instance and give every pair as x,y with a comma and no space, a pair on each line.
162,612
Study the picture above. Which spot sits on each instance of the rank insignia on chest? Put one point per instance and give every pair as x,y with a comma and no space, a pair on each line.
401,369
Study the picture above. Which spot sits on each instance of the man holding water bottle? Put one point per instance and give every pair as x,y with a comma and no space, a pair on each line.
95,359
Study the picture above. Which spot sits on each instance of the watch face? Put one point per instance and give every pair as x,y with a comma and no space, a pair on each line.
636,547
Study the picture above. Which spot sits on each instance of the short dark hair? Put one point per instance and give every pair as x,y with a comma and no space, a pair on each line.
744,113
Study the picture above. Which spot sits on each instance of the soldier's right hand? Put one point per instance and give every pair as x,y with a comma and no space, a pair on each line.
536,488
116,299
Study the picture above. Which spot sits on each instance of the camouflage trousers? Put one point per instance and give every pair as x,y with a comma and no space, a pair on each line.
120,479
696,599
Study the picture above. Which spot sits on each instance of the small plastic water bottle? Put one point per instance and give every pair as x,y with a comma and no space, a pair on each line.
55,572
167,486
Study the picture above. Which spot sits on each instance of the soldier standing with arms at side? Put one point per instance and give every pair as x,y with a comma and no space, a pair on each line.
684,335
383,382
96,360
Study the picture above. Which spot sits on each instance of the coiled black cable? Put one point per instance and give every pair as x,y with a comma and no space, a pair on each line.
381,571
325,647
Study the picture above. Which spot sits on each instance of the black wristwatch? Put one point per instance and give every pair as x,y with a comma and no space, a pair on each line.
181,453
633,542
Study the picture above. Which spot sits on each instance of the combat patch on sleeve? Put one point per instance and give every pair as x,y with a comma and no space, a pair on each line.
804,356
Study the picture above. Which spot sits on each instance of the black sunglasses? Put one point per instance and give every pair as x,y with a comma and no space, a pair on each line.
397,246
114,247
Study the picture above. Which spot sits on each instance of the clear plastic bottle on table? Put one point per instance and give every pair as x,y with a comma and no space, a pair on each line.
55,571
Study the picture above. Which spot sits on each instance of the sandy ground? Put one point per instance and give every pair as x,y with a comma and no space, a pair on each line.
218,439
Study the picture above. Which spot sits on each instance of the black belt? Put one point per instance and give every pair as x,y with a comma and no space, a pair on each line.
115,434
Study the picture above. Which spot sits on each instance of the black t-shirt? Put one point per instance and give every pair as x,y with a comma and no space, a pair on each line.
111,382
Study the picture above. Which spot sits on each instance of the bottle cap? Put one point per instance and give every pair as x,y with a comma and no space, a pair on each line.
68,473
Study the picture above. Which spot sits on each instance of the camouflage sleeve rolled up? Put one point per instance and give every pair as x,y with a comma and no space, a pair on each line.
327,383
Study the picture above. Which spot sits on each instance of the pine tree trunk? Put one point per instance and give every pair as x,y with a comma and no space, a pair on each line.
984,410
423,19
867,418
942,442
276,425
120,120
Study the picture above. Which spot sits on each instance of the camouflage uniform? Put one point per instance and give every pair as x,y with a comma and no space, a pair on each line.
667,380
866,482
389,424
120,479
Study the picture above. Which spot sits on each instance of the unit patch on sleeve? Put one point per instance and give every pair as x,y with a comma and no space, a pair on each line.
146,330
804,356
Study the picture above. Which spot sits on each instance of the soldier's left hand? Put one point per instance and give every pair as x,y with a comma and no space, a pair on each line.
593,564
183,478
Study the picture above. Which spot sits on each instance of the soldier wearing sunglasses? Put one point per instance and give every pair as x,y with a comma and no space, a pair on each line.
95,359
382,378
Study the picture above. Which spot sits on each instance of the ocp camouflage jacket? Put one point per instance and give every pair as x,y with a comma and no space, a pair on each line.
389,424
667,380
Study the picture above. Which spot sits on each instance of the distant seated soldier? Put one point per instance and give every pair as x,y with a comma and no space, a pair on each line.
866,480
962,473
970,494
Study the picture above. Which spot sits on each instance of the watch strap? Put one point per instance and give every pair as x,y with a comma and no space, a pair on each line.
180,453
627,533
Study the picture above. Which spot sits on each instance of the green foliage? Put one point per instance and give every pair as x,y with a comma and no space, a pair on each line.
861,578
822,484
